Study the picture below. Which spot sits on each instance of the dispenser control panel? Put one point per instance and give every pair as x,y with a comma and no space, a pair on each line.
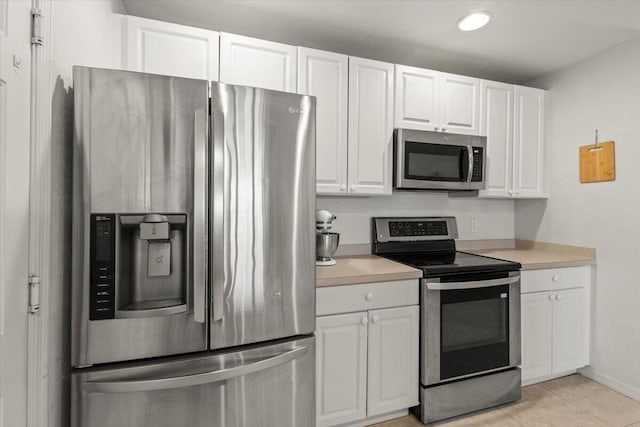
103,262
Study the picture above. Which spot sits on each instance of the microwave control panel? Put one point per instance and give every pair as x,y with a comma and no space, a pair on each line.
476,175
103,253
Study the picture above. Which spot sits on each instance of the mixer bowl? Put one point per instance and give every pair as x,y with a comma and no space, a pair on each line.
326,245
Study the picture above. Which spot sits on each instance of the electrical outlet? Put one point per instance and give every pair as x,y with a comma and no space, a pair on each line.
474,225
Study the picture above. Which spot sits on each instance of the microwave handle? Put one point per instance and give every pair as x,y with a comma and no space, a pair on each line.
470,171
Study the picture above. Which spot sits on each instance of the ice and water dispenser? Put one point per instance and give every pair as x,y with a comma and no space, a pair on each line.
138,265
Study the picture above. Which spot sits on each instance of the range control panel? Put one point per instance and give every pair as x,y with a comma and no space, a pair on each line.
417,228
412,229
476,174
103,263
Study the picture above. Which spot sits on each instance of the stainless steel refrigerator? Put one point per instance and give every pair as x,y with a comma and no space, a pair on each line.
193,253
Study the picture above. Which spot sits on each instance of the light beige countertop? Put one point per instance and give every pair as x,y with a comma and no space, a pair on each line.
538,255
351,270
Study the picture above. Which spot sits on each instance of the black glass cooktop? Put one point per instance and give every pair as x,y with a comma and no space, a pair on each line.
453,262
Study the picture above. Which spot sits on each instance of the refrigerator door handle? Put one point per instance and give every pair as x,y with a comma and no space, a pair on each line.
199,217
216,209
165,383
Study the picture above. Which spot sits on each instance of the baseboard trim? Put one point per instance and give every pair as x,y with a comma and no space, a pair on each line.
377,419
617,385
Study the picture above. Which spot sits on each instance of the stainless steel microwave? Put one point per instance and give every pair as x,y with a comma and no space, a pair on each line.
438,161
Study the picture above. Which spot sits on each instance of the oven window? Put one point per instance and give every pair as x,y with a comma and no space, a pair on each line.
474,330
434,162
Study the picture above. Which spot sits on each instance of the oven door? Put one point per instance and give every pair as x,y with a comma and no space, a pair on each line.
470,325
432,160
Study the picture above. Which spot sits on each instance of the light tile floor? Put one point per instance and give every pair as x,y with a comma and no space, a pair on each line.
565,402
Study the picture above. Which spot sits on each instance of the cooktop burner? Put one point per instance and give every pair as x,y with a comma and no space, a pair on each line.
456,262
428,244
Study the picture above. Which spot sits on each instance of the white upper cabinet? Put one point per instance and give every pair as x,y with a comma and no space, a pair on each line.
496,123
416,98
325,76
528,142
435,101
459,104
512,118
164,48
253,62
370,126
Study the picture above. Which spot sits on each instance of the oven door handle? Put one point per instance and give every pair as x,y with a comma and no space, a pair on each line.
448,286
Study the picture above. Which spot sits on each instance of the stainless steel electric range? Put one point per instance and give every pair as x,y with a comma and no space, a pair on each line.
469,317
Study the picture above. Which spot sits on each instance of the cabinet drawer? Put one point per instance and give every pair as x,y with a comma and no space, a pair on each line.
366,296
554,279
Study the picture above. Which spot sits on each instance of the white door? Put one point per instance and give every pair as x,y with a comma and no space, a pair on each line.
253,62
341,368
496,123
569,330
536,334
174,50
416,99
528,142
459,104
325,76
15,77
393,359
370,126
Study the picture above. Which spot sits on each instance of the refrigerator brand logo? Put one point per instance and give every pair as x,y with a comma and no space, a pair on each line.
294,110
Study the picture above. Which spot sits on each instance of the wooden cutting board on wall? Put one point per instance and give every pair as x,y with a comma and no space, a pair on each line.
597,162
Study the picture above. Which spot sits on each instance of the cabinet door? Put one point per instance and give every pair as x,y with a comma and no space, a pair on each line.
569,330
393,359
370,126
259,63
528,142
536,335
416,100
459,104
341,368
496,123
325,76
175,50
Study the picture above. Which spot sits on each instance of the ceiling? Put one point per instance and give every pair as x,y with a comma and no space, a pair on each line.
525,39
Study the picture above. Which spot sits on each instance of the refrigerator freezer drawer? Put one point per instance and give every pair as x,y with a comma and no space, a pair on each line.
264,386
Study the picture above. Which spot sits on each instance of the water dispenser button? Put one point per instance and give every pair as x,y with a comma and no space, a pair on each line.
159,259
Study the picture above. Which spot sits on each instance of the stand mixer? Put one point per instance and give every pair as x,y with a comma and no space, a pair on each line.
326,240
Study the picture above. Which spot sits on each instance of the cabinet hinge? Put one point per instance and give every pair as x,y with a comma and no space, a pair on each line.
37,24
34,294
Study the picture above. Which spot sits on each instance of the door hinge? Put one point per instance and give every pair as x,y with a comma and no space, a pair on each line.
34,294
37,24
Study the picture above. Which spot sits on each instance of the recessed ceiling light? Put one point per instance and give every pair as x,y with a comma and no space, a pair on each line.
474,21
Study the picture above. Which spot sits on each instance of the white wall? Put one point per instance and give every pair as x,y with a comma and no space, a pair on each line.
601,92
495,217
82,33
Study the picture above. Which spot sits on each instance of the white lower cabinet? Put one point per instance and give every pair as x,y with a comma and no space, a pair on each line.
555,322
366,360
392,359
341,368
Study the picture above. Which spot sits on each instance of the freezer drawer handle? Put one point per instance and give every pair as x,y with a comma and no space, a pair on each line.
191,380
447,286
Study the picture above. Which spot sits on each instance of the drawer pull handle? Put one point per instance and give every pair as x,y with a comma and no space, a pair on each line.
369,296
555,278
